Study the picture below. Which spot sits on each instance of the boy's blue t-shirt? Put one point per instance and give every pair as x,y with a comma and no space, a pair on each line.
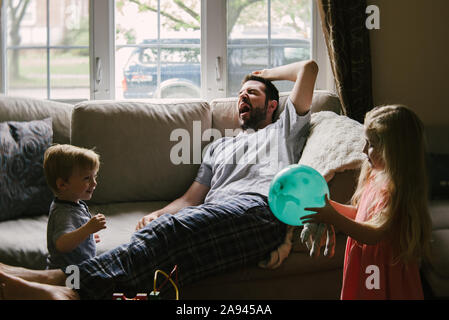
65,217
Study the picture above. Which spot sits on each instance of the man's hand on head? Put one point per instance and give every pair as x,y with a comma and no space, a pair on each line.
303,74
261,73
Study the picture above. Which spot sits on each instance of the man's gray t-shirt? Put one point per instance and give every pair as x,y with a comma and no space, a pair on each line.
65,217
248,162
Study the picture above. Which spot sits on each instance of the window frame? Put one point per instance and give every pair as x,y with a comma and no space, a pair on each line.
47,47
325,79
213,51
102,52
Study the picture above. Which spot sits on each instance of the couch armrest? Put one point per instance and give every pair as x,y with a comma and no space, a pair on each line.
28,109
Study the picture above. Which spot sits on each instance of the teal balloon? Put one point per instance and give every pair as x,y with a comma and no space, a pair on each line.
294,188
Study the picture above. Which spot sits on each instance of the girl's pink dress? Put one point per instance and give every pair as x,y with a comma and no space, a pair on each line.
369,271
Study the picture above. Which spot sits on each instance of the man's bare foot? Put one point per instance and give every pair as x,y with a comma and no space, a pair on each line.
53,277
15,288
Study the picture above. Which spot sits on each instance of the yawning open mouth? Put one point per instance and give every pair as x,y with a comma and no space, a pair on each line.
244,108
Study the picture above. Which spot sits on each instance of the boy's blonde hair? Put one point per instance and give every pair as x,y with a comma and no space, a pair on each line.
397,134
60,160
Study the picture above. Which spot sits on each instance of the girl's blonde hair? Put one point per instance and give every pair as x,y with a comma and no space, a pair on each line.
397,135
61,159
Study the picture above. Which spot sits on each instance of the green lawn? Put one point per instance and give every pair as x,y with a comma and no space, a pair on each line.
66,70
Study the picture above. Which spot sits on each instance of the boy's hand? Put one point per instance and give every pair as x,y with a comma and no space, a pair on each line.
97,238
97,223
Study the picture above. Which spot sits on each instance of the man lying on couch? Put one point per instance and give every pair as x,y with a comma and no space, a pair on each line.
223,220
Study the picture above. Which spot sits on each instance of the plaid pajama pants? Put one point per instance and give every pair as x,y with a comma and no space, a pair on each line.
203,240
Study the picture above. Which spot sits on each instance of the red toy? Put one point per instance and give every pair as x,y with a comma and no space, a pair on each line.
121,296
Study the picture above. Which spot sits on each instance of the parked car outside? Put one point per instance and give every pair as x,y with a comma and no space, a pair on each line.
175,64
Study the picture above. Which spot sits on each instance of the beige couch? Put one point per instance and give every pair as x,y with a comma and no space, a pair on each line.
136,140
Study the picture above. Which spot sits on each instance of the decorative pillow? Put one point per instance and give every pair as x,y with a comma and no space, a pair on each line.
23,188
335,144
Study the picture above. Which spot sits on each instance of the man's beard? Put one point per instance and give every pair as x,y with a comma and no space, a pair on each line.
257,115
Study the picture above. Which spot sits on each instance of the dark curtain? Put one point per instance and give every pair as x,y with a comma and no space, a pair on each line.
347,40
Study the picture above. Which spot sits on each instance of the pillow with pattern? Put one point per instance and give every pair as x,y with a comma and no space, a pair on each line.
23,188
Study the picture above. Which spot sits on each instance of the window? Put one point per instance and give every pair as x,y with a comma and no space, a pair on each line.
266,34
46,49
157,51
122,49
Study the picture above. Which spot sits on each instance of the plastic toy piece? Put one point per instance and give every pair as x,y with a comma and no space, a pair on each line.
154,295
121,296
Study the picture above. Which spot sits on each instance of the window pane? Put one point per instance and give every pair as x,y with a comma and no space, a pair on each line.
69,74
180,73
247,40
158,60
69,22
249,23
180,19
291,19
55,48
242,59
27,22
139,73
27,74
258,40
285,55
133,24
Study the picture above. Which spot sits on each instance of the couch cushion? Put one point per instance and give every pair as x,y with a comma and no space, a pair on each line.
27,109
23,188
121,221
150,150
24,242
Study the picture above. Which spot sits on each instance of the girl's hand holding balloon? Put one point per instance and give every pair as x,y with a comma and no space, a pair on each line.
326,214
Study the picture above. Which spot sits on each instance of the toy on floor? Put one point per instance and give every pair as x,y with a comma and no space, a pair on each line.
294,188
121,296
154,295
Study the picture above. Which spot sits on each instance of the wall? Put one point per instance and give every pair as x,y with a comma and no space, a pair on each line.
410,61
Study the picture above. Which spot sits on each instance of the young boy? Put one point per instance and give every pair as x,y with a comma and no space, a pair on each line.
71,173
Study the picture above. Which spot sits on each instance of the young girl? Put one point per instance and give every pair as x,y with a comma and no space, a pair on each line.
388,223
